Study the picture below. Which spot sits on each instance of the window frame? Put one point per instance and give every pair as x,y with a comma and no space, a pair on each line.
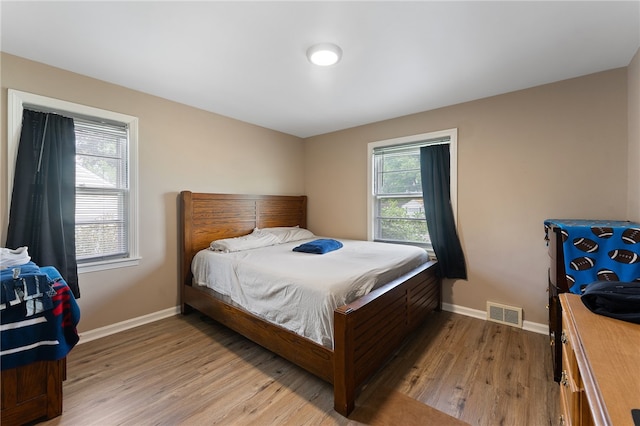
415,140
15,106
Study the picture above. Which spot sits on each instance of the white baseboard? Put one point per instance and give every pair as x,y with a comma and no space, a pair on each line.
536,327
108,330
476,313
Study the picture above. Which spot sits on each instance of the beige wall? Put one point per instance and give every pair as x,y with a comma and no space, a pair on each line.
558,150
633,77
179,148
553,151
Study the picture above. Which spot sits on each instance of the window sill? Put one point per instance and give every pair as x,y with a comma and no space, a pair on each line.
108,264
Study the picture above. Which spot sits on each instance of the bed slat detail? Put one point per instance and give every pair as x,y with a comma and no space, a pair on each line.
368,356
281,213
207,210
389,319
388,306
358,353
371,360
422,300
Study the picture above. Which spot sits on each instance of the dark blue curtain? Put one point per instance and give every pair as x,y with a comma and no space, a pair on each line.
43,201
434,170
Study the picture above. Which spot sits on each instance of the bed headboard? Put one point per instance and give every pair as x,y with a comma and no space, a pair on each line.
206,217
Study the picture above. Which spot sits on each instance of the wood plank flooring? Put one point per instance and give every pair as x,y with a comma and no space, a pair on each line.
189,370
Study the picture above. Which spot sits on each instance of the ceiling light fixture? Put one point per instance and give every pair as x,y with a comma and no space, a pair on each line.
324,54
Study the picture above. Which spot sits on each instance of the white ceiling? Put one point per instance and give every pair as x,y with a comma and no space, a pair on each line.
246,60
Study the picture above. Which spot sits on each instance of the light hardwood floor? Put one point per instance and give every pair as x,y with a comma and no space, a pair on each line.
190,370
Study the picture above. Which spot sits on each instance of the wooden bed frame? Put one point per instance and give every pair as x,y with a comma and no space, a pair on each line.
366,331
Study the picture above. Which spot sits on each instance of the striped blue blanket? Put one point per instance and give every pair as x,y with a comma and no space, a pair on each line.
38,318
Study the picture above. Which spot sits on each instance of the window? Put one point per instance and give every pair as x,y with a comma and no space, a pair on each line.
106,179
102,190
396,206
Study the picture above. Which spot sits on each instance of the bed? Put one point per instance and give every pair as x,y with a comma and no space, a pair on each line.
365,332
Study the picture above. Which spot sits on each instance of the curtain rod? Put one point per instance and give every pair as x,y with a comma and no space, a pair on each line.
412,145
74,115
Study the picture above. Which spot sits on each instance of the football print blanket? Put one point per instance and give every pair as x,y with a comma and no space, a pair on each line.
598,250
38,315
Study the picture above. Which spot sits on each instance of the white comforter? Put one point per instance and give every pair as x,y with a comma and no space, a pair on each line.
299,291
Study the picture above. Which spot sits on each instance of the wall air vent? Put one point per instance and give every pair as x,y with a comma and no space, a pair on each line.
504,314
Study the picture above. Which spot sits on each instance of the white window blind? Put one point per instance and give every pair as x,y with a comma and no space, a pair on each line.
102,190
398,207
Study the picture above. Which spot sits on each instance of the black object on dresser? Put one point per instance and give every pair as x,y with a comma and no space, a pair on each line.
557,284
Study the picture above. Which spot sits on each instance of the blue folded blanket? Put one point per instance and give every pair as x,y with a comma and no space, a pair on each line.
321,246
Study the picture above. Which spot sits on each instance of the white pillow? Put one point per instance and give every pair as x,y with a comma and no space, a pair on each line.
287,234
245,242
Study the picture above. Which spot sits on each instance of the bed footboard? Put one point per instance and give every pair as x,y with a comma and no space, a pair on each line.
369,330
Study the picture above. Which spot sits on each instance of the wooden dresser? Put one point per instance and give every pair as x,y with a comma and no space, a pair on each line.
600,378
32,392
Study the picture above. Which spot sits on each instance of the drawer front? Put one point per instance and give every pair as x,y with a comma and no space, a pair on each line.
575,407
570,394
569,407
570,369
